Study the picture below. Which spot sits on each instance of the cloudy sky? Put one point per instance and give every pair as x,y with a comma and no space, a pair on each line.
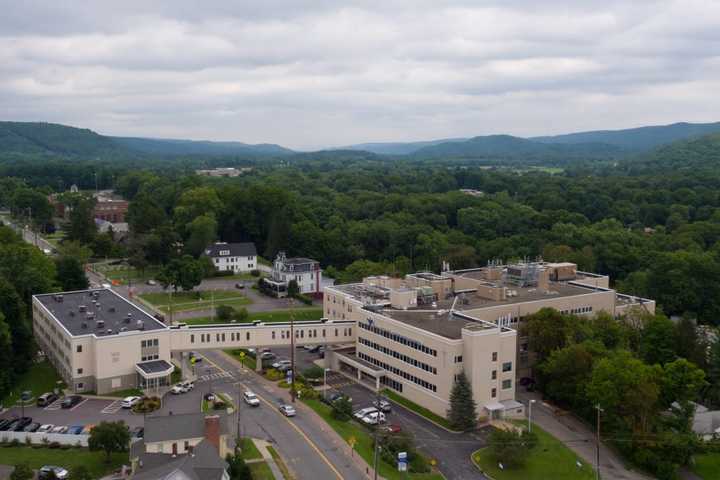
310,74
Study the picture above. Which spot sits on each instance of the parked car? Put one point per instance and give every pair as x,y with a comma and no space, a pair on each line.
33,427
382,405
267,355
280,363
59,429
364,411
129,402
46,428
188,385
152,283
374,418
106,285
87,429
137,432
22,423
46,471
75,430
10,426
5,422
251,399
209,397
528,383
178,388
197,358
284,368
239,286
46,399
335,396
71,401
287,410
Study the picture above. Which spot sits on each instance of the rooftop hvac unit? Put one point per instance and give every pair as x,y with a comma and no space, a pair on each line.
123,329
97,305
72,313
100,324
111,309
109,331
127,319
83,325
140,325
82,308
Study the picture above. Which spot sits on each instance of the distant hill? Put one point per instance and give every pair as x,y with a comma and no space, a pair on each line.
161,146
696,154
636,139
497,147
398,148
32,138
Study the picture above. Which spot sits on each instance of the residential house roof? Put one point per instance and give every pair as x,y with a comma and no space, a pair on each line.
246,249
203,464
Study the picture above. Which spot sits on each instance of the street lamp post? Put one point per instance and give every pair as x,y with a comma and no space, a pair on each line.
597,443
530,404
292,352
325,370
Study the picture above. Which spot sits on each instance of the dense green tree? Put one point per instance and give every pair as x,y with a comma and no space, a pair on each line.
201,232
462,414
237,468
22,471
185,273
566,372
109,437
6,377
82,220
658,343
71,273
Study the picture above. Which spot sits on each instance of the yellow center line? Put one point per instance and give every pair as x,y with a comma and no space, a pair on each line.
307,439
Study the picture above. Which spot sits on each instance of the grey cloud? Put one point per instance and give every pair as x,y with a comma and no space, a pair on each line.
316,73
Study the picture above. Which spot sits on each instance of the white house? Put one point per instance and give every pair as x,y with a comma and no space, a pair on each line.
305,271
236,257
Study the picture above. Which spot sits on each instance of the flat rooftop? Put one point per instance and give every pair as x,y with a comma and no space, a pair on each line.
80,313
439,322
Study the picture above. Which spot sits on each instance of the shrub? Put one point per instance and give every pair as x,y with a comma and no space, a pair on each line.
255,273
283,384
342,409
418,463
313,372
224,313
510,447
54,445
223,273
15,442
274,375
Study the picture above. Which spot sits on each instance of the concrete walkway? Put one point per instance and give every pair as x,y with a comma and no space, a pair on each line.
578,438
262,445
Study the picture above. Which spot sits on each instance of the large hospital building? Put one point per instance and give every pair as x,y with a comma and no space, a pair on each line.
411,335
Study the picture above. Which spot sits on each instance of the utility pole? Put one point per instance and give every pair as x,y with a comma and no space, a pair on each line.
292,352
376,447
597,443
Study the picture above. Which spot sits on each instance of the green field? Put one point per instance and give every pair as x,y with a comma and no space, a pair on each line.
312,313
248,360
40,378
363,445
69,459
549,459
122,273
195,300
417,408
261,471
707,466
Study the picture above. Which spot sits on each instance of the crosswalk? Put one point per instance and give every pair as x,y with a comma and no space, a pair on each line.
214,376
114,407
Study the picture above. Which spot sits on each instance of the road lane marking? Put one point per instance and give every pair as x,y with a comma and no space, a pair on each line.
298,429
114,407
76,406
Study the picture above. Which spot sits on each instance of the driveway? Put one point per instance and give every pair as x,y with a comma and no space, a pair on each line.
578,438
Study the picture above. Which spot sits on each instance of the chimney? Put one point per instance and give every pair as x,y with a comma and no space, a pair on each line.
212,430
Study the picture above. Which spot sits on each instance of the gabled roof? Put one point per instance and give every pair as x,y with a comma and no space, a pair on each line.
246,249
203,464
162,428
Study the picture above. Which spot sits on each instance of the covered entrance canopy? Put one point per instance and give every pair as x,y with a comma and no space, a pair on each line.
504,408
154,373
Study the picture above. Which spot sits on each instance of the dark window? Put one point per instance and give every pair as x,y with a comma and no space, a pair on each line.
79,349
507,366
247,335
273,334
494,356
494,375
192,338
493,393
506,384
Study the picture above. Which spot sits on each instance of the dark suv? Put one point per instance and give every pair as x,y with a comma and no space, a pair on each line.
22,423
71,401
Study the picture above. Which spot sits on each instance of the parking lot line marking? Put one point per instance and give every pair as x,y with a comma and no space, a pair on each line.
54,406
114,407
76,406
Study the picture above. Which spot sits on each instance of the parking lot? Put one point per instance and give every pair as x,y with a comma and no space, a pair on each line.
90,411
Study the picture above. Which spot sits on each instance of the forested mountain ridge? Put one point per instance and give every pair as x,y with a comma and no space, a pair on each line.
34,138
636,139
163,146
693,154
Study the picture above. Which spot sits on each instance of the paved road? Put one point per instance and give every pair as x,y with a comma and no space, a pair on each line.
579,438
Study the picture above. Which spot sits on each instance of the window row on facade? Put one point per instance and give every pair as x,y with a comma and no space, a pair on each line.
299,334
398,372
399,356
397,338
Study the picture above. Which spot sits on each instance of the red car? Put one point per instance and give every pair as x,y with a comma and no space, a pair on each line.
393,428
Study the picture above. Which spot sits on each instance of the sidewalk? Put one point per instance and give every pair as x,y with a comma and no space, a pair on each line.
579,438
308,413
262,445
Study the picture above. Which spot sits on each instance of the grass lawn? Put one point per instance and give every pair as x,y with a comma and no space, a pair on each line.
363,445
195,300
70,459
416,408
550,459
249,450
207,406
707,466
122,273
280,463
312,313
54,239
40,378
248,361
261,471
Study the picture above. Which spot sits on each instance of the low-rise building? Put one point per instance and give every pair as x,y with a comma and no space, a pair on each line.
188,447
235,257
223,172
415,334
305,271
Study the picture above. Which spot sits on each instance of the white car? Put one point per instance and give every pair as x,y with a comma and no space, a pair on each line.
287,410
280,363
267,355
59,429
364,412
179,388
383,405
251,399
374,418
106,285
45,471
47,428
188,385
128,402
